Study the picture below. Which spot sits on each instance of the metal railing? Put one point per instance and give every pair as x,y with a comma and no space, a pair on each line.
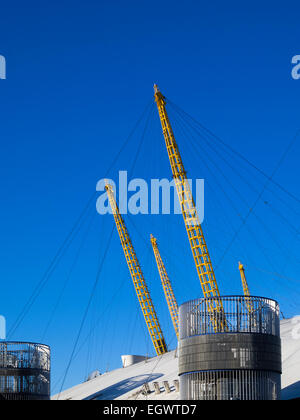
24,370
195,319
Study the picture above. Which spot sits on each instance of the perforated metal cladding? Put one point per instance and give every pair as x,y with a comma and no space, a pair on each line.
230,351
230,385
243,362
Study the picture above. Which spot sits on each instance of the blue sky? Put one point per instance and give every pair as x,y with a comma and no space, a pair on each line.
79,75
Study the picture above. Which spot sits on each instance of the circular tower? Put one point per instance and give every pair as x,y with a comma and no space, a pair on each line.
24,371
229,354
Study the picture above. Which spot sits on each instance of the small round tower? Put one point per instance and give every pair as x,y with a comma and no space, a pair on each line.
24,371
241,360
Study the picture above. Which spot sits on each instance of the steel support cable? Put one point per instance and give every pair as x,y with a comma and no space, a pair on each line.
148,246
112,336
159,358
287,260
108,306
242,198
234,169
259,196
272,191
92,339
149,249
287,222
221,188
138,151
140,144
68,277
262,249
92,316
280,276
87,309
204,162
269,178
69,238
272,273
144,131
216,198
142,138
58,256
130,343
139,318
280,247
206,139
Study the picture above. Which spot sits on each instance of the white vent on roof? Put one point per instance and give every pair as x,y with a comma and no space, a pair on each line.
131,359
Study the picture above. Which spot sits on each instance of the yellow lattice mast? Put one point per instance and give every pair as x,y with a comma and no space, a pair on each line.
246,289
194,230
138,278
165,281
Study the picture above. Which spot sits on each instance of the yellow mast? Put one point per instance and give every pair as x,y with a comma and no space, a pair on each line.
246,289
165,281
138,279
193,227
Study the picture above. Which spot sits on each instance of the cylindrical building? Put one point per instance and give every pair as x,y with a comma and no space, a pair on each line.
240,360
24,371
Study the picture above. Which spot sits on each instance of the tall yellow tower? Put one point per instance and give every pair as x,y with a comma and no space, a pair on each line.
137,277
246,289
166,284
193,227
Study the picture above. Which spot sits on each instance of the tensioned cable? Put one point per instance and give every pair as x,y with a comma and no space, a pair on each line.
204,162
279,245
248,227
259,196
68,240
237,153
158,361
272,273
95,325
96,282
228,198
234,169
68,277
138,151
87,309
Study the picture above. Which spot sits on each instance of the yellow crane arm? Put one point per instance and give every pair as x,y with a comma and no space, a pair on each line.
165,281
138,279
193,227
244,280
246,289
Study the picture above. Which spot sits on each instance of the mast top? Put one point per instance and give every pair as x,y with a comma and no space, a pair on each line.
156,88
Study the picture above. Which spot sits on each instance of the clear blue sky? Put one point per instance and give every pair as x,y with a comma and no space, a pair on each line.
79,75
